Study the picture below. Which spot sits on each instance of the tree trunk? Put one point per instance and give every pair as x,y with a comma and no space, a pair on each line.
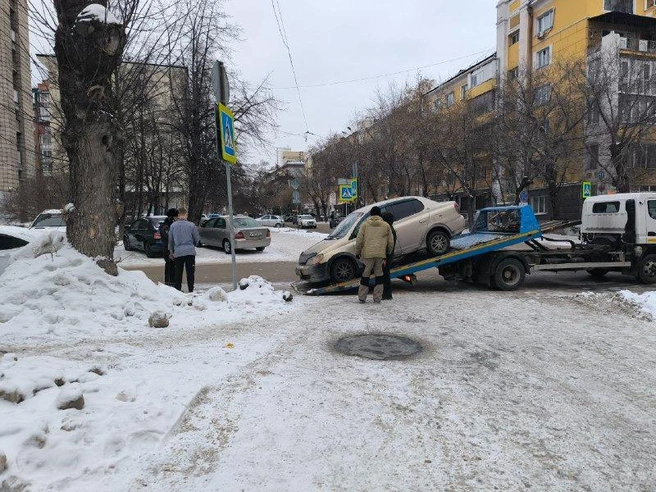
88,52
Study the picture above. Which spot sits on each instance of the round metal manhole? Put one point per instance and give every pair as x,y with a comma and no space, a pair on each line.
379,347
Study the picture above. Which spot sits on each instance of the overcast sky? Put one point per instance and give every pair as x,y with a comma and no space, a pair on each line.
343,40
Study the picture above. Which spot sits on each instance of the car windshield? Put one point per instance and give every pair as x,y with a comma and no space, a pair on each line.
246,222
49,220
345,225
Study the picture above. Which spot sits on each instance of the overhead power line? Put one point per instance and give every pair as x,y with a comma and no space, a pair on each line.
372,77
283,35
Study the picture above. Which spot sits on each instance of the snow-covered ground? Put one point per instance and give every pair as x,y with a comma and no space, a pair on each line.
286,244
244,391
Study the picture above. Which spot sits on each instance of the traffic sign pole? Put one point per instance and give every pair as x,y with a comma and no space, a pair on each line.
225,142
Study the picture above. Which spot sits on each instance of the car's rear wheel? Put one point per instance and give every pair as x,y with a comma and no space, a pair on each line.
226,247
278,224
343,270
260,248
126,244
149,251
437,242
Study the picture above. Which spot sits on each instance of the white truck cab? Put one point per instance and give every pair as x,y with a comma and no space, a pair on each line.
607,219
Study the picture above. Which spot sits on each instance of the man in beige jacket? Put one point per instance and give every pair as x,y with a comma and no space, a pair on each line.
375,241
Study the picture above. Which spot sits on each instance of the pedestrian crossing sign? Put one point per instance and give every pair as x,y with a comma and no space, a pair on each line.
586,190
346,193
225,123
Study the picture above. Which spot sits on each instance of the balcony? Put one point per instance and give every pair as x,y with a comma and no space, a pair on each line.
639,45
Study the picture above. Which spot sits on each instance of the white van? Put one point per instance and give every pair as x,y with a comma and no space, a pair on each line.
607,218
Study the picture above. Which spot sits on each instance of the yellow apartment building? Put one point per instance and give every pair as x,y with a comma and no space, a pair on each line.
619,36
477,85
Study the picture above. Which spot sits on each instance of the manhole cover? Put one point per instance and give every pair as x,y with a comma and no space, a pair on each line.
379,347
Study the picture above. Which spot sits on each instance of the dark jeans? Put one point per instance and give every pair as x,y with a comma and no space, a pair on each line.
169,269
187,263
387,282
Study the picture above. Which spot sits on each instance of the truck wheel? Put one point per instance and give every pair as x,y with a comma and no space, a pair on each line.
437,243
597,272
509,274
343,270
647,269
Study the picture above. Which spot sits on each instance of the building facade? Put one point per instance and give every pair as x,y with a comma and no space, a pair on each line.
16,116
616,37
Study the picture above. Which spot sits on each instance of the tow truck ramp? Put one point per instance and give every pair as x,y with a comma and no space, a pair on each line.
496,228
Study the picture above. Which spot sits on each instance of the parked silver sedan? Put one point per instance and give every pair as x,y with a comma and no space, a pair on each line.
248,233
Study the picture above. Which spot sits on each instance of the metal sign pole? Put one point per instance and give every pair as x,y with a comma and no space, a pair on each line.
232,227
222,95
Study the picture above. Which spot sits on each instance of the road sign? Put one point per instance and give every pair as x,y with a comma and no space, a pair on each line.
523,196
220,84
225,122
586,189
345,194
354,188
296,196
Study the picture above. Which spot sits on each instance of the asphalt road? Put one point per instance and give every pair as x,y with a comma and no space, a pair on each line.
282,275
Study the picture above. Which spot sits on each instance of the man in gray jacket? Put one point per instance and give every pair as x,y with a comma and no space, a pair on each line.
183,238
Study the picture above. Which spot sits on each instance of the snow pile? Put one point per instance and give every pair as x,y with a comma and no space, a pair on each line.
645,301
97,12
64,294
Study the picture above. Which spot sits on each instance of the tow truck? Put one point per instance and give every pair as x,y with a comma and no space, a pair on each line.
618,233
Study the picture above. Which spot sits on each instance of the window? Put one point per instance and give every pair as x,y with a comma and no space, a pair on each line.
543,57
542,94
513,73
463,92
474,79
650,3
625,6
651,208
539,204
210,223
450,99
545,22
404,209
513,38
606,208
593,114
220,223
592,159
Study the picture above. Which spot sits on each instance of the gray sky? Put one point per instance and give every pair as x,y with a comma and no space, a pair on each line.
352,39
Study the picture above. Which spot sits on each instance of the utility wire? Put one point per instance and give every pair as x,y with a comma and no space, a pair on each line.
283,35
372,77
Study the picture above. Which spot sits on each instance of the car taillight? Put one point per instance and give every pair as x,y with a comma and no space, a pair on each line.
268,233
157,235
456,206
240,235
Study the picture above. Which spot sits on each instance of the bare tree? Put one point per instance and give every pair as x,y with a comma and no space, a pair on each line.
620,95
89,45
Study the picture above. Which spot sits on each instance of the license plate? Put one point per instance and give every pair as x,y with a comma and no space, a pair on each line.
253,234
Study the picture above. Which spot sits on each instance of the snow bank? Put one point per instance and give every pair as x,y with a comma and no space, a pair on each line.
645,301
65,295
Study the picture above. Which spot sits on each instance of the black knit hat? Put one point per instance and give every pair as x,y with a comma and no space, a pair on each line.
172,212
375,210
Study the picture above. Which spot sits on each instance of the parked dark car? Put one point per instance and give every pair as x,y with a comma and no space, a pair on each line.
143,234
